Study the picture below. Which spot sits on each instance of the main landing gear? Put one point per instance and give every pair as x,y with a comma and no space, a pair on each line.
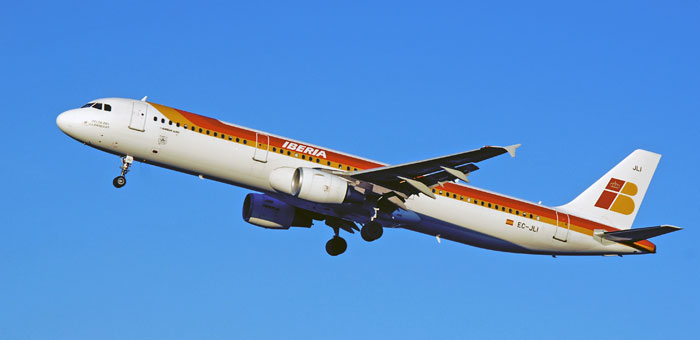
337,245
372,231
120,180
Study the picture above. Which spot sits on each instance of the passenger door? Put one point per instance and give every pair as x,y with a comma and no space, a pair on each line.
262,146
138,116
561,232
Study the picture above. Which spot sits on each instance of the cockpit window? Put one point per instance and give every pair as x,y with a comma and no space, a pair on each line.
98,106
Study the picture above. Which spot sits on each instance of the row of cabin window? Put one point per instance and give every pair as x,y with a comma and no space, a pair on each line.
311,158
200,130
486,204
274,149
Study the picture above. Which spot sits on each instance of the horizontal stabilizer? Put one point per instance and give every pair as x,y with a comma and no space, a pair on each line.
638,234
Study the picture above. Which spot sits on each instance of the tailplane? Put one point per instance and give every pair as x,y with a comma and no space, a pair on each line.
616,197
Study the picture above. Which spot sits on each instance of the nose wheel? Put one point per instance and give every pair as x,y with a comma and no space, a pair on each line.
120,180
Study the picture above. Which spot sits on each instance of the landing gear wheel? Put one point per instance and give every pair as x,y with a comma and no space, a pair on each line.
119,181
336,246
371,231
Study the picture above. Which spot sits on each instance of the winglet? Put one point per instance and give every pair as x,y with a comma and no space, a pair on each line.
419,186
511,149
144,98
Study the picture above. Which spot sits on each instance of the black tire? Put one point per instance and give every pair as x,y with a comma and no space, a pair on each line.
336,246
119,181
372,231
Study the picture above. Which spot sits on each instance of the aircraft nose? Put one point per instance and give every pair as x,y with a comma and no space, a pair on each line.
64,120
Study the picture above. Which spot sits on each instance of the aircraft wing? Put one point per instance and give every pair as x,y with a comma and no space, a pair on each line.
419,177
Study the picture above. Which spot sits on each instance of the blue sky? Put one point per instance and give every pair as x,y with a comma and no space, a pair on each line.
580,85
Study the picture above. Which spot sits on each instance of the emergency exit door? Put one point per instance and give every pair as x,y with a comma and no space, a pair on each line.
138,116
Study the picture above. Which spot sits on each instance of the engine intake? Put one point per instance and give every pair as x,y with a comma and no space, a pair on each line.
267,212
314,185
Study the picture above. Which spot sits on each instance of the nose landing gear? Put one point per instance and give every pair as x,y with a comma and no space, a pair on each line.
120,180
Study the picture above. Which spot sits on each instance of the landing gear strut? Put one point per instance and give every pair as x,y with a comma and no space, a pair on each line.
336,245
120,180
372,231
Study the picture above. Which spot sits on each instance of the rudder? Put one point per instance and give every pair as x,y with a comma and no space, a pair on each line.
615,198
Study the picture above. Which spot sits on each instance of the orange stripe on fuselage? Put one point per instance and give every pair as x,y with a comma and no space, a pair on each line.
547,215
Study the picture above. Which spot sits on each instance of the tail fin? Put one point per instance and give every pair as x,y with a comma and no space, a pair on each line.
616,197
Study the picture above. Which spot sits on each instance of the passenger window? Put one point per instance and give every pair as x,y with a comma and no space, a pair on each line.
207,131
162,120
216,134
454,195
348,168
476,201
303,156
200,130
192,128
155,119
274,149
108,107
238,140
185,126
489,205
245,141
329,162
318,160
289,153
503,208
230,138
177,124
170,122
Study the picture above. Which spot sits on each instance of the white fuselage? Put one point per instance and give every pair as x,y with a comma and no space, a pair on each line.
452,215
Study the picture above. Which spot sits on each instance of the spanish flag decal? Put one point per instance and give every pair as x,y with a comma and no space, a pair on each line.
509,222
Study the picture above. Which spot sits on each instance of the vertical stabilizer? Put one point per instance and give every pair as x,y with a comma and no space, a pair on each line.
616,197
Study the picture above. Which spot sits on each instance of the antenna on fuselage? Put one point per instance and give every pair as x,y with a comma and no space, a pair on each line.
144,98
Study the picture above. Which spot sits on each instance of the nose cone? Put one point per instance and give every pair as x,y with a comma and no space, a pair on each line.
62,121
66,121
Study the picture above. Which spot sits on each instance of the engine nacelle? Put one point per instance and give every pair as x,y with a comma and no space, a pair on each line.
313,185
267,212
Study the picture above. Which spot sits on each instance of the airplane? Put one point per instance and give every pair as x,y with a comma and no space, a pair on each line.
298,183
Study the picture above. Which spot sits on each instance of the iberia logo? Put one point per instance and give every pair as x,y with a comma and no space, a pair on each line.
617,197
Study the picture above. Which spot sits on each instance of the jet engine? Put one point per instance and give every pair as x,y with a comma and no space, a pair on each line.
264,211
314,185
